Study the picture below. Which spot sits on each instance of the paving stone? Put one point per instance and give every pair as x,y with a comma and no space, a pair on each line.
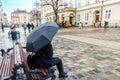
82,61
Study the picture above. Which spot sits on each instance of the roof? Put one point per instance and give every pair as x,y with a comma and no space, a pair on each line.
19,11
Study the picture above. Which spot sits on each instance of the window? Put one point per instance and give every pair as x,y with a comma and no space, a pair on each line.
107,14
97,1
86,16
78,17
61,1
79,3
87,2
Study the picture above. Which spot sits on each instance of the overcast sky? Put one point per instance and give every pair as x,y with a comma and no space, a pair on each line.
11,5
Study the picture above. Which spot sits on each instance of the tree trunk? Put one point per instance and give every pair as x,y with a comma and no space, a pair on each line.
56,16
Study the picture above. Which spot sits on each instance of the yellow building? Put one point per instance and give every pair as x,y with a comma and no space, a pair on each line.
66,12
19,17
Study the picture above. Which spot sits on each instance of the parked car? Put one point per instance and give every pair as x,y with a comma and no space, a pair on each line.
66,25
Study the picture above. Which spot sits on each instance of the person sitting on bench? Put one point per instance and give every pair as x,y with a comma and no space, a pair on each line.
44,58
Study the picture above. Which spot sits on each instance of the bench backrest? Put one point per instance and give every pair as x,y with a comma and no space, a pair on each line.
7,65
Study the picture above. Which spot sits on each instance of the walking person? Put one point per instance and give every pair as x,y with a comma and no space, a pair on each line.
29,27
105,25
32,26
13,33
24,27
2,27
81,25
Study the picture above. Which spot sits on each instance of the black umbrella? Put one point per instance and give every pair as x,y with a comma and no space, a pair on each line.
41,36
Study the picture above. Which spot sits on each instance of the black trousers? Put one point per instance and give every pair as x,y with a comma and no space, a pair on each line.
55,61
36,62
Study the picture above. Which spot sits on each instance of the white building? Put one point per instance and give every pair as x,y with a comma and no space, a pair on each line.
98,11
89,12
1,11
3,16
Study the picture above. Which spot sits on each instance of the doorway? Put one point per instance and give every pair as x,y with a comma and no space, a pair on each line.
96,16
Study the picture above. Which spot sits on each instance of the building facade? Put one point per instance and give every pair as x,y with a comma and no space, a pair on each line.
3,16
89,12
66,12
21,16
1,11
35,17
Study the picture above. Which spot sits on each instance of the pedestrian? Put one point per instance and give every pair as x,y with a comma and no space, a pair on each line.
2,27
24,25
44,58
32,26
80,25
29,27
13,33
105,25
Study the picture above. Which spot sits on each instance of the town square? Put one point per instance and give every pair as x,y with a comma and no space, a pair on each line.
87,41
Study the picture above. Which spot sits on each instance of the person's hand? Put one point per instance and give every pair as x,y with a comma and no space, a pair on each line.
31,53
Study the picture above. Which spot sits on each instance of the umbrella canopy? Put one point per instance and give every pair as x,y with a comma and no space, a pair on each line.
41,36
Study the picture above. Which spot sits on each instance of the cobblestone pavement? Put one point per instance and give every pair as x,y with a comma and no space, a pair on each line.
111,34
88,61
85,61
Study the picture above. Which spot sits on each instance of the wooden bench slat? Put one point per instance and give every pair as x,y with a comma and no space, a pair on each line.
12,63
2,67
5,66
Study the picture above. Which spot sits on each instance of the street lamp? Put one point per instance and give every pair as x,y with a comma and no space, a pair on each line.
75,10
101,13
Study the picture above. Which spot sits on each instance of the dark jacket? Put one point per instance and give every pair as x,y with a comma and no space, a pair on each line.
42,58
28,25
32,25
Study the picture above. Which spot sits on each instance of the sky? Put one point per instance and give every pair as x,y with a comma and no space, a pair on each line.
11,5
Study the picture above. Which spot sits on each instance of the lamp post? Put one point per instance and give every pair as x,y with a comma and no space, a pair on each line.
75,10
101,13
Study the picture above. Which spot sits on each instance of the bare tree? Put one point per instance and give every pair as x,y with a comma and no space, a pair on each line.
54,4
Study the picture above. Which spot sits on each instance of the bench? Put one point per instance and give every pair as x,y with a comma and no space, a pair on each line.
14,67
6,65
37,74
